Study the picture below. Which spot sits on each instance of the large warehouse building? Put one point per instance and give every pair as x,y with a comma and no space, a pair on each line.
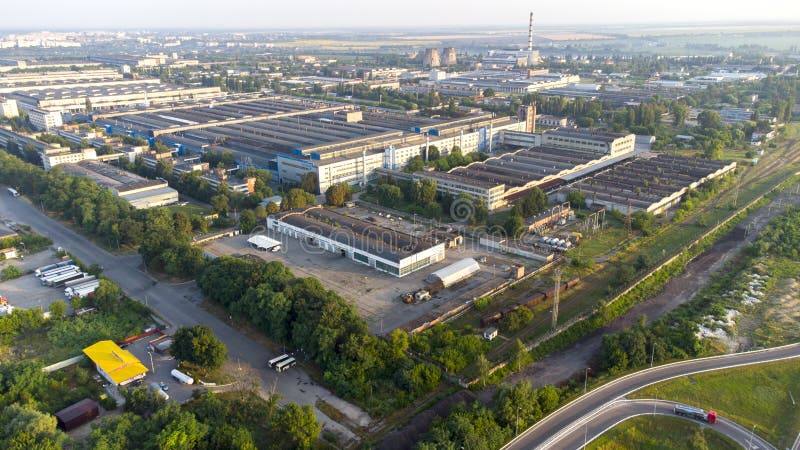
106,95
296,136
140,192
647,184
564,154
387,250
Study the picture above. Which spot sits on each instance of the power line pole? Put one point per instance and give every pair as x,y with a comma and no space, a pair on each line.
628,224
556,297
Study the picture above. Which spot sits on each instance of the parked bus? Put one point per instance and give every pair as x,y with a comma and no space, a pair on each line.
285,364
272,362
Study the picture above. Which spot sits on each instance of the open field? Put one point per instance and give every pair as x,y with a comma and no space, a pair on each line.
764,396
660,432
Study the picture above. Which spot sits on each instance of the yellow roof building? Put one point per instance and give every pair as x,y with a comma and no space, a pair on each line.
118,366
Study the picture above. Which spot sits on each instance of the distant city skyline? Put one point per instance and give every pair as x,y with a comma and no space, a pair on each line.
325,14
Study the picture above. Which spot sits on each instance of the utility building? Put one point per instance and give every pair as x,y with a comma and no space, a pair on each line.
384,249
116,365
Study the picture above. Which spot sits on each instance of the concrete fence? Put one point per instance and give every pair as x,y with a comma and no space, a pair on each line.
62,364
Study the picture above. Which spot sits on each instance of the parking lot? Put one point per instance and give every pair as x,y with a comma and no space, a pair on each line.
27,291
159,369
375,294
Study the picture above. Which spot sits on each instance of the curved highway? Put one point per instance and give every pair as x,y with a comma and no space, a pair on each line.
546,433
576,436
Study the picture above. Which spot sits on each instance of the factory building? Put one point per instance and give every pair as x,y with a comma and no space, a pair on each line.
292,136
593,141
86,97
470,84
8,108
140,192
383,249
45,120
564,154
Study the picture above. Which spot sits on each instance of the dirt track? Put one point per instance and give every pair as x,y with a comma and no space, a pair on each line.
560,366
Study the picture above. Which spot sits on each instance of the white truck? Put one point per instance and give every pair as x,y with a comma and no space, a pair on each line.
160,392
82,290
181,377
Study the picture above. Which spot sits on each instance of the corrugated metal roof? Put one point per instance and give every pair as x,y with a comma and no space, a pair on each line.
457,271
120,365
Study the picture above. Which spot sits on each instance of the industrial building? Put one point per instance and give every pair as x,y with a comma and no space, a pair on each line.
383,249
45,120
295,136
510,59
519,82
56,80
452,274
8,108
107,95
140,192
116,365
646,184
555,156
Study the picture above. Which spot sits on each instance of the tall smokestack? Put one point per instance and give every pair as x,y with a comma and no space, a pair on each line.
530,34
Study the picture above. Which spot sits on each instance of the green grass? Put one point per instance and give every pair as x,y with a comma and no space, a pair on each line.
751,396
661,432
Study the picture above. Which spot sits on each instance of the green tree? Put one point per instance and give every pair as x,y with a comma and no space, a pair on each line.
514,225
199,346
520,357
57,309
576,199
273,208
310,183
484,366
26,428
679,114
11,272
298,425
220,204
338,194
247,221
426,193
489,92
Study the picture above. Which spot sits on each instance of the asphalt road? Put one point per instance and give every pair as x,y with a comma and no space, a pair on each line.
177,304
586,431
545,434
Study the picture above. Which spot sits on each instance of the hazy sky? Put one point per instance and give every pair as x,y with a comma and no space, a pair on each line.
315,14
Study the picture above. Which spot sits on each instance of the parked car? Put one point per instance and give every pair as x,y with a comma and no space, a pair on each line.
164,386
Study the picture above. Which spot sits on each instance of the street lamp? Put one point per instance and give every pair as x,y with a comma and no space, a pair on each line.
585,379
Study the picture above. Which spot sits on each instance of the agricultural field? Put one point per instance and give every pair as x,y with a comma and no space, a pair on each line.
661,432
763,395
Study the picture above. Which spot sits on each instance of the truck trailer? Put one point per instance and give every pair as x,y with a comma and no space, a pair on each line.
49,276
38,272
60,280
80,281
181,377
82,290
696,413
59,270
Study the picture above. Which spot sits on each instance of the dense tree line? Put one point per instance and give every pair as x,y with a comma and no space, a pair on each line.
454,351
322,327
477,426
163,238
240,420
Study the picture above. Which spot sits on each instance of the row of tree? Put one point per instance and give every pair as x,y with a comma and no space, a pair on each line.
477,426
322,327
163,238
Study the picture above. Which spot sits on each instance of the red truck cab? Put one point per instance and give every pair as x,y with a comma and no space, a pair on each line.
711,417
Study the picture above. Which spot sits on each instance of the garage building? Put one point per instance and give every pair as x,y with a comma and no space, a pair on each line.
116,365
452,274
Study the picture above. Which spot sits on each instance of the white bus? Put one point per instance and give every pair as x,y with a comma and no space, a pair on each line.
13,192
285,364
272,362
